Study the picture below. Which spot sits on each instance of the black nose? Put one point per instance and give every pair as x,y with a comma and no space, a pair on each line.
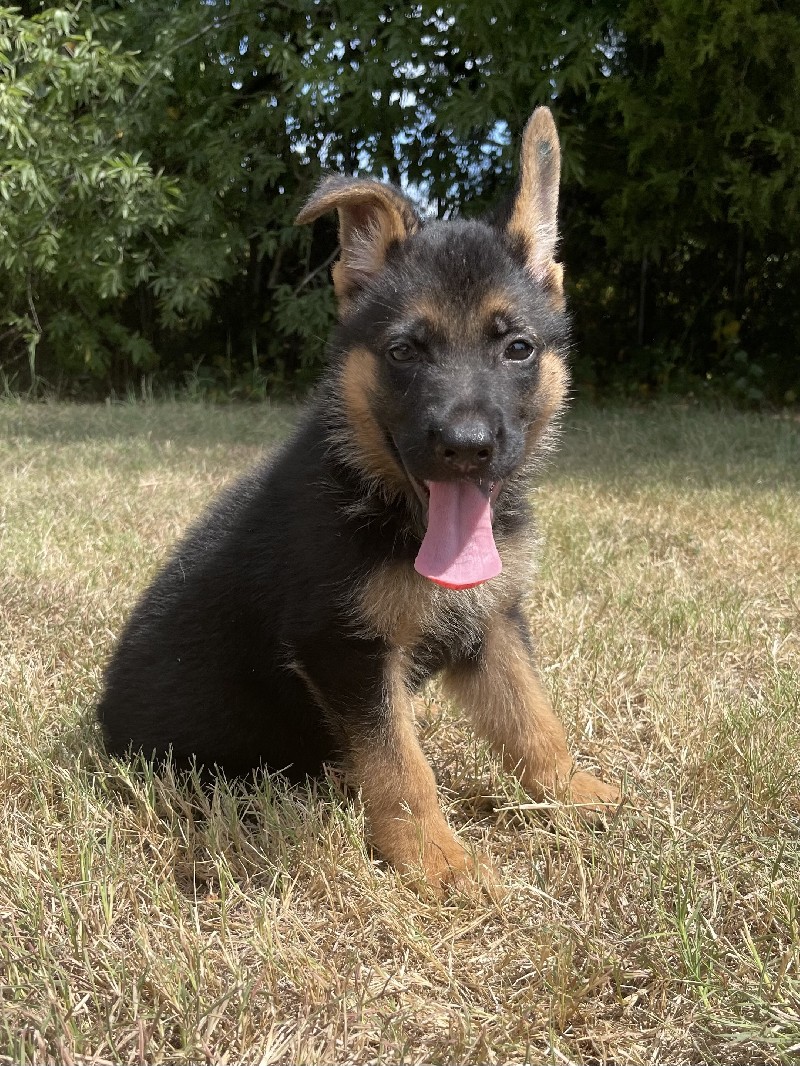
466,444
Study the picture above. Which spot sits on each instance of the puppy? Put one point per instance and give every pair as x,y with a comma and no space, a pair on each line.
388,541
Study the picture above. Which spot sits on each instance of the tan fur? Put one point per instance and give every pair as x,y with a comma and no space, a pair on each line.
510,708
363,251
433,315
554,283
398,789
475,325
398,604
534,216
364,446
494,305
372,216
551,396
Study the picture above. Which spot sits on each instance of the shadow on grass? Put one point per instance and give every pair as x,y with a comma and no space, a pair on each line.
191,424
678,447
210,830
620,447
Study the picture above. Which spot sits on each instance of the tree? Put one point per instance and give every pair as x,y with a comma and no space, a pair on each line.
154,155
80,215
692,213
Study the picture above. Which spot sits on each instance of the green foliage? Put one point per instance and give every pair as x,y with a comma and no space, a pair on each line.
692,215
153,157
80,213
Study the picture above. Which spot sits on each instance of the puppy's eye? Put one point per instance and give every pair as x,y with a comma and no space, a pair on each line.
402,353
519,350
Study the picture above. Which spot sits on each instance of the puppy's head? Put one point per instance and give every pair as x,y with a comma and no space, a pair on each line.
451,339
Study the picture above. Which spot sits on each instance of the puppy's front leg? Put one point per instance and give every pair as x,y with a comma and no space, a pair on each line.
360,689
399,793
509,707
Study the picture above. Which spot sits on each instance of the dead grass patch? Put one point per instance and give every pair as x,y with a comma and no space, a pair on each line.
145,919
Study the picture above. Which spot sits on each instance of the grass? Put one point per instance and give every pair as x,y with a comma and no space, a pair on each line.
144,920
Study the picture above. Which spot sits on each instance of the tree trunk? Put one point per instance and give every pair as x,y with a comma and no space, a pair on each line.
642,295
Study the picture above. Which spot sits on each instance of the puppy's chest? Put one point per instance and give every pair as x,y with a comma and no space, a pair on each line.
429,626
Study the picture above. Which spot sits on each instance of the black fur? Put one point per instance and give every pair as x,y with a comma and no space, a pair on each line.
249,648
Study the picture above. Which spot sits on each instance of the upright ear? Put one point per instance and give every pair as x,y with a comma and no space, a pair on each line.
372,217
534,213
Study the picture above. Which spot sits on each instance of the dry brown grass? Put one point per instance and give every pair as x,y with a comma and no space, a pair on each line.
142,919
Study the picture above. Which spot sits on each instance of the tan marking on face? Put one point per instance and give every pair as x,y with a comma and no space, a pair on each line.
435,316
358,387
475,325
551,396
493,306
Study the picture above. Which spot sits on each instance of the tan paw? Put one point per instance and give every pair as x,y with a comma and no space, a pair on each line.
473,877
586,788
443,865
595,799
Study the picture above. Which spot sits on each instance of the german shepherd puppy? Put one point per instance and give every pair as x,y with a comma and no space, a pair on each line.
388,541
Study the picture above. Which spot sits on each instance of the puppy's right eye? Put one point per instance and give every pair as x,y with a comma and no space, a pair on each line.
519,350
402,353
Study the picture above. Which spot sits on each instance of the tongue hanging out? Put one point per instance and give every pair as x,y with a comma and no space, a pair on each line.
458,550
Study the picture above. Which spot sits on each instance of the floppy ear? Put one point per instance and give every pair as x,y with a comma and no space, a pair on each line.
534,212
372,217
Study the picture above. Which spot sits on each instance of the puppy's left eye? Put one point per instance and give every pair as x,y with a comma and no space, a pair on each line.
519,350
402,353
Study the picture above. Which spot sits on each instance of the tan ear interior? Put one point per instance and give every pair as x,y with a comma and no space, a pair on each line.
534,215
372,217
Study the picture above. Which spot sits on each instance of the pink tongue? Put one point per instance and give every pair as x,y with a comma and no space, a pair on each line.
458,550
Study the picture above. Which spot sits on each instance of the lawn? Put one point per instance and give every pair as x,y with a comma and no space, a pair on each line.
143,919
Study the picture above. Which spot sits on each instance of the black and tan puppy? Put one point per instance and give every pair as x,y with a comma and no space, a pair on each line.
389,540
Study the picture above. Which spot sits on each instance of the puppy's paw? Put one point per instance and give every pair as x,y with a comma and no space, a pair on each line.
481,880
474,877
439,865
594,799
